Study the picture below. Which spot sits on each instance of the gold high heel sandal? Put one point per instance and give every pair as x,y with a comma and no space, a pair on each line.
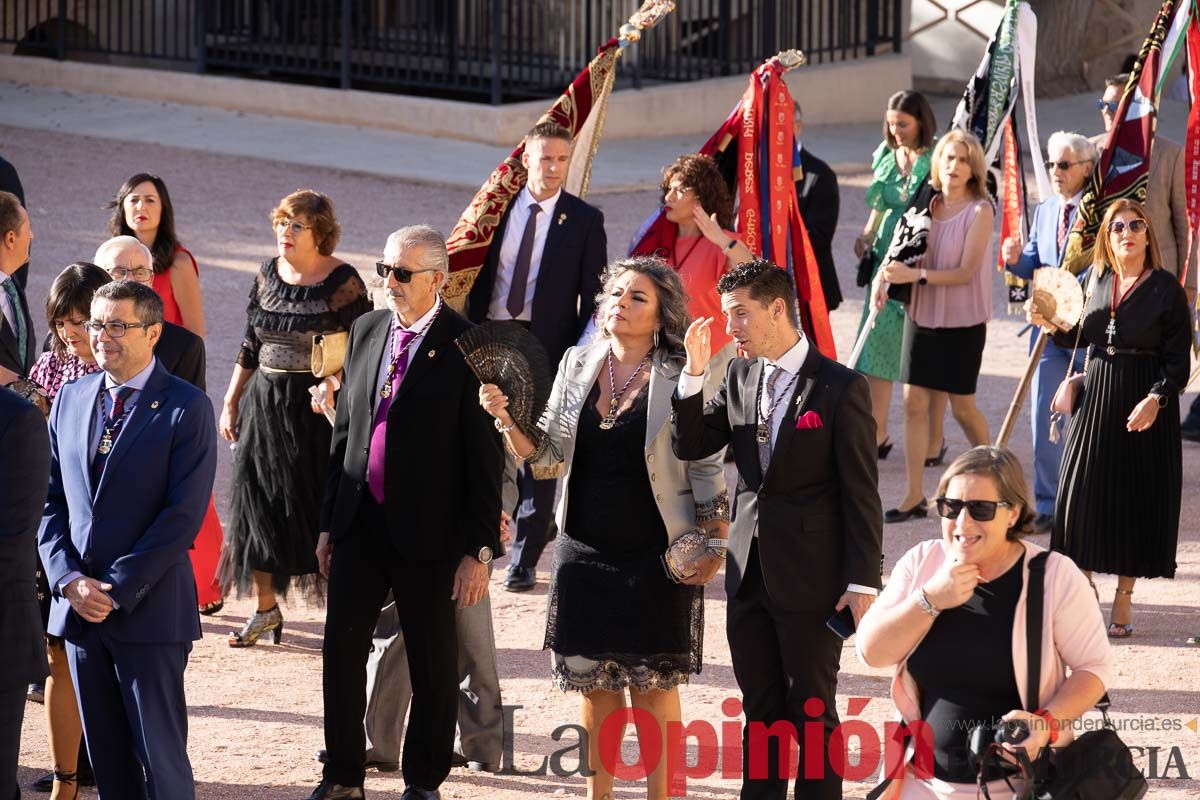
269,622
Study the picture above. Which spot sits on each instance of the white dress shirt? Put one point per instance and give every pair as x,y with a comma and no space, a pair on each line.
385,358
790,362
514,231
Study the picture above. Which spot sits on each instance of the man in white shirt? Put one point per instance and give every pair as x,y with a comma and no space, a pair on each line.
543,270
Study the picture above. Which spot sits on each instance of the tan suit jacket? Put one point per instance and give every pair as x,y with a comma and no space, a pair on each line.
1166,202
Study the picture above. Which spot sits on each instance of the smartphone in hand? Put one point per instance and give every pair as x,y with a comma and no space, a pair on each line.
842,623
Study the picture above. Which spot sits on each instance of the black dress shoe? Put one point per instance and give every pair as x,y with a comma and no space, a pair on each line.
520,579
381,766
328,790
920,510
413,793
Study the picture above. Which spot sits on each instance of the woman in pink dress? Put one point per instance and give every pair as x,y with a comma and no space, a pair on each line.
143,209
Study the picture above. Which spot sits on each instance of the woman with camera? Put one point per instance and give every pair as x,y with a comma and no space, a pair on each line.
952,623
615,619
1121,478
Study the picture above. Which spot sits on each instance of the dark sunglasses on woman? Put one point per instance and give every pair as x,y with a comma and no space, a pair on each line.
1135,226
980,510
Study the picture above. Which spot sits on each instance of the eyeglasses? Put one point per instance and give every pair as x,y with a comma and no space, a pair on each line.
980,510
1135,226
1065,165
403,274
136,273
1107,105
115,330
296,228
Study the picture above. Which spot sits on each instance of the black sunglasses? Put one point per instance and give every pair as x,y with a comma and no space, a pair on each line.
980,510
1110,105
1064,165
403,275
1118,226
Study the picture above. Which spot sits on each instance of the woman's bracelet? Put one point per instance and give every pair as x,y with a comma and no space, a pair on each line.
504,428
718,547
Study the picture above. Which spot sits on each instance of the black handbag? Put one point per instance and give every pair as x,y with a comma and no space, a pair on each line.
1097,765
866,265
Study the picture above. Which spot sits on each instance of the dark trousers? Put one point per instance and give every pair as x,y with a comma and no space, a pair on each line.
781,659
12,715
134,713
534,532
364,566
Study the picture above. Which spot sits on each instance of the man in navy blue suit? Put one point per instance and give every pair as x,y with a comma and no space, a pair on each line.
133,458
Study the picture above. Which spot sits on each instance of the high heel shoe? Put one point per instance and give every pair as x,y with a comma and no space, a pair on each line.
67,778
269,622
920,510
940,458
1115,629
884,448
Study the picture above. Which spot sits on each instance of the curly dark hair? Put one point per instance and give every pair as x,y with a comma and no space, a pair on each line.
765,282
673,315
165,240
701,175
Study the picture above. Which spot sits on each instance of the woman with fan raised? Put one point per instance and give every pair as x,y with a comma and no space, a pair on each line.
1121,478
615,619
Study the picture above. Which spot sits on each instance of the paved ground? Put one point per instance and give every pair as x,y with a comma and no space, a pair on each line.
256,715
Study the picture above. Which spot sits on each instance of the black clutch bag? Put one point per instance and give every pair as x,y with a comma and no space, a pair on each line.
866,265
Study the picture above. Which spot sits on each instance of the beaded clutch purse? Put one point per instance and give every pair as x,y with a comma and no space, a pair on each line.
680,558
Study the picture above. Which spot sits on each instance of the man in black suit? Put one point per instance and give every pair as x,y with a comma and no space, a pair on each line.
817,194
10,181
179,350
806,534
24,478
18,341
543,269
412,504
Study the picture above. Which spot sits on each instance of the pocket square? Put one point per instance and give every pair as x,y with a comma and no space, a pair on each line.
809,421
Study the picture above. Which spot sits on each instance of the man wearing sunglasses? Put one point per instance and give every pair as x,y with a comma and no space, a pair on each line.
543,270
133,459
1072,159
179,350
411,506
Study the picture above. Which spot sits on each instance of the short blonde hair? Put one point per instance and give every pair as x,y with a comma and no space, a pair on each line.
315,207
975,159
1003,467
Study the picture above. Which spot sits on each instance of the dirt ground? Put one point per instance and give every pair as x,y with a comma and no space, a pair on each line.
256,714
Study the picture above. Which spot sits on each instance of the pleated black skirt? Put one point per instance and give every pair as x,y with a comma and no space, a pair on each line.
1119,492
279,471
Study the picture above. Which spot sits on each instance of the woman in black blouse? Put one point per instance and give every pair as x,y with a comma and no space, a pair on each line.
1122,469
283,440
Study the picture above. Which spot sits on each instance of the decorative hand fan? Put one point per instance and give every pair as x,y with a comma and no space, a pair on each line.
508,355
1057,296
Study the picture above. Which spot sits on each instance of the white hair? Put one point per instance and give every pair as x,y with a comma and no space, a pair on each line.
435,256
1080,146
106,253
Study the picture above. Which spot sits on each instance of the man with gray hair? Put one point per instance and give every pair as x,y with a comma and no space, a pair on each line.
1072,159
412,505
179,350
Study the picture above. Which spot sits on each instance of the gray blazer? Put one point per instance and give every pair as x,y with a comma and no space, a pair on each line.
686,492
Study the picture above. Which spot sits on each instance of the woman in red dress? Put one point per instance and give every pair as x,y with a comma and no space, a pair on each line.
143,209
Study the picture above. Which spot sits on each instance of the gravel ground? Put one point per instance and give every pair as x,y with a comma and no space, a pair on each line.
256,714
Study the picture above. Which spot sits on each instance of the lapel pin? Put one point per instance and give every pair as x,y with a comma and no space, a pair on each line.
154,404
431,353
562,218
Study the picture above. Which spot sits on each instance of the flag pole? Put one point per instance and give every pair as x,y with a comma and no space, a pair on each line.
1014,408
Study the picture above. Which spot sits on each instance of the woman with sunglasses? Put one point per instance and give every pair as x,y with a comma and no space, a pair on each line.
68,308
951,621
1121,478
143,209
283,439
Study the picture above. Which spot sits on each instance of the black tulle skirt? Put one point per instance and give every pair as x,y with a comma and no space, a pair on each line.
279,470
1119,492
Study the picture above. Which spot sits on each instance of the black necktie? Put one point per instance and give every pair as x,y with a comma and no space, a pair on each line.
520,278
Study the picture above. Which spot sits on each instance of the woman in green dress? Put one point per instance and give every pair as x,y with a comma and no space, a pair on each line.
899,164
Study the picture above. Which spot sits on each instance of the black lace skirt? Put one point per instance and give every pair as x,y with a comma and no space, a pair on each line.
617,621
279,471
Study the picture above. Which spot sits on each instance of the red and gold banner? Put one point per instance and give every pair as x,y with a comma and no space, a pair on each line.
1192,143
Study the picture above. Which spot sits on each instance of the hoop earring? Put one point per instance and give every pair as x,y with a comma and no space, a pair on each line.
656,338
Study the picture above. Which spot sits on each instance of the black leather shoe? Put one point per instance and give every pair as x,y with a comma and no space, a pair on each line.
381,766
457,760
920,510
327,790
520,579
413,793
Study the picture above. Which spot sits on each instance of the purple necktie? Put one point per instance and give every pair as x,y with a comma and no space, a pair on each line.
375,458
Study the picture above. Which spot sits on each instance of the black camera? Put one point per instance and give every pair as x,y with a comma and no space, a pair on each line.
987,736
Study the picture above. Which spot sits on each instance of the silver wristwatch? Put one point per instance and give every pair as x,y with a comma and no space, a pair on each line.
484,556
926,606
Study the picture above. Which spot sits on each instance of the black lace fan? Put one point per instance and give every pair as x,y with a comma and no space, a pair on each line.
508,355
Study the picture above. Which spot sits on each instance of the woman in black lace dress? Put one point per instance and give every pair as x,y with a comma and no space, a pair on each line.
1121,477
282,439
616,622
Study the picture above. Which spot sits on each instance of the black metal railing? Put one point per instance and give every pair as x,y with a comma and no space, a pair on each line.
482,50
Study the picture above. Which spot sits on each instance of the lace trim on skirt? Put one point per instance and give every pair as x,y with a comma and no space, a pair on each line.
615,673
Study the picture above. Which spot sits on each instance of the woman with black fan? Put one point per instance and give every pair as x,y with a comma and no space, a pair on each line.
615,619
